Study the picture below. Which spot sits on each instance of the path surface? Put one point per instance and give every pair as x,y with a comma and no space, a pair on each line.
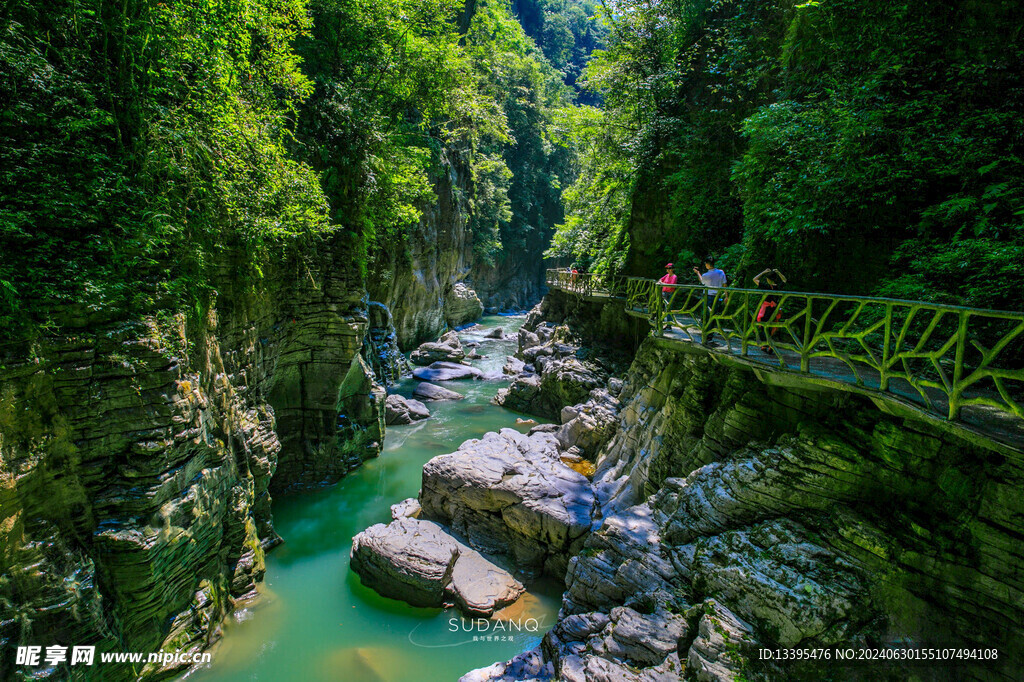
988,421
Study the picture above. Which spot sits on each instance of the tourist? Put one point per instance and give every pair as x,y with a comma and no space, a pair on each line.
713,278
669,277
769,311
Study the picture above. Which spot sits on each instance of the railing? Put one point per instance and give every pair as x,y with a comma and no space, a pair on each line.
587,283
942,357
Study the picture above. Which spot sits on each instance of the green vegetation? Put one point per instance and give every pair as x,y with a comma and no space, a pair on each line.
859,146
144,146
567,32
139,139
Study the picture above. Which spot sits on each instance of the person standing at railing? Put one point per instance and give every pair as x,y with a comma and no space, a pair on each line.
713,278
669,277
769,310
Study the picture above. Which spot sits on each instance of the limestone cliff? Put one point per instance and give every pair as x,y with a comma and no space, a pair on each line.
421,284
137,456
438,282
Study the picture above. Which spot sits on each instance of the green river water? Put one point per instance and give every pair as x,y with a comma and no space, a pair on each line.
314,619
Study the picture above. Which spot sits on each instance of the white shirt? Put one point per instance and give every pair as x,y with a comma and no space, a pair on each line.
713,278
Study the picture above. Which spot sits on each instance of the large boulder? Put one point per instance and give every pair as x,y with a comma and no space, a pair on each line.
590,425
562,381
462,305
407,559
448,348
510,496
446,371
513,365
401,410
432,392
419,562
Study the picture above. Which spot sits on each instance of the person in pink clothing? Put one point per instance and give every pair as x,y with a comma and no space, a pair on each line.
669,278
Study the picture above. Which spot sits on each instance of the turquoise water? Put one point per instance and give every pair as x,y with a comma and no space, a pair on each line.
315,621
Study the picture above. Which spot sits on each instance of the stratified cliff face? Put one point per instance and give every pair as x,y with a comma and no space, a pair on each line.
439,282
800,518
516,282
138,456
742,512
421,286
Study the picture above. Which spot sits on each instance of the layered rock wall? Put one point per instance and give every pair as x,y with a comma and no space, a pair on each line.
137,457
423,286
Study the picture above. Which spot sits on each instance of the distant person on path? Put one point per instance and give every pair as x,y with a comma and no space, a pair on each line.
713,278
769,310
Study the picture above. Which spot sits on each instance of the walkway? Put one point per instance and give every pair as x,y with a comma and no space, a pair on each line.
951,364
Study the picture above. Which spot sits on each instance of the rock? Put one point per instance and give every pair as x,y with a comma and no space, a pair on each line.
529,665
408,559
615,386
419,562
723,643
448,348
406,508
508,494
479,586
513,365
520,420
400,410
446,371
496,333
645,639
432,392
527,339
520,394
561,382
543,428
531,354
564,349
591,424
461,305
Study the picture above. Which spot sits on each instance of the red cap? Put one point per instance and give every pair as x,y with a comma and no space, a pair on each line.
669,266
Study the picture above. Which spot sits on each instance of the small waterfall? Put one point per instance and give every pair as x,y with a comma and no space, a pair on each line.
380,346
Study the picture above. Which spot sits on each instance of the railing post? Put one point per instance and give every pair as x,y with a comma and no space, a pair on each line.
657,305
883,378
958,366
805,354
747,324
706,313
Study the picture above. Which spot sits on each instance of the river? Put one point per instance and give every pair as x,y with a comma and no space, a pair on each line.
315,621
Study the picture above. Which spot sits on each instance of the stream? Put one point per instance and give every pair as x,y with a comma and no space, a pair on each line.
314,620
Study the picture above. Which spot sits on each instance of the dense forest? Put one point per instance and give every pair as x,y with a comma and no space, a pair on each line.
143,144
842,141
861,146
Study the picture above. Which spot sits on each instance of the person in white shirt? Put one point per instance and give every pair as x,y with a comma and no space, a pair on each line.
713,278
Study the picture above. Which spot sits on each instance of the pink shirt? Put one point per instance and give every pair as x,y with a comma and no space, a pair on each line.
668,279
